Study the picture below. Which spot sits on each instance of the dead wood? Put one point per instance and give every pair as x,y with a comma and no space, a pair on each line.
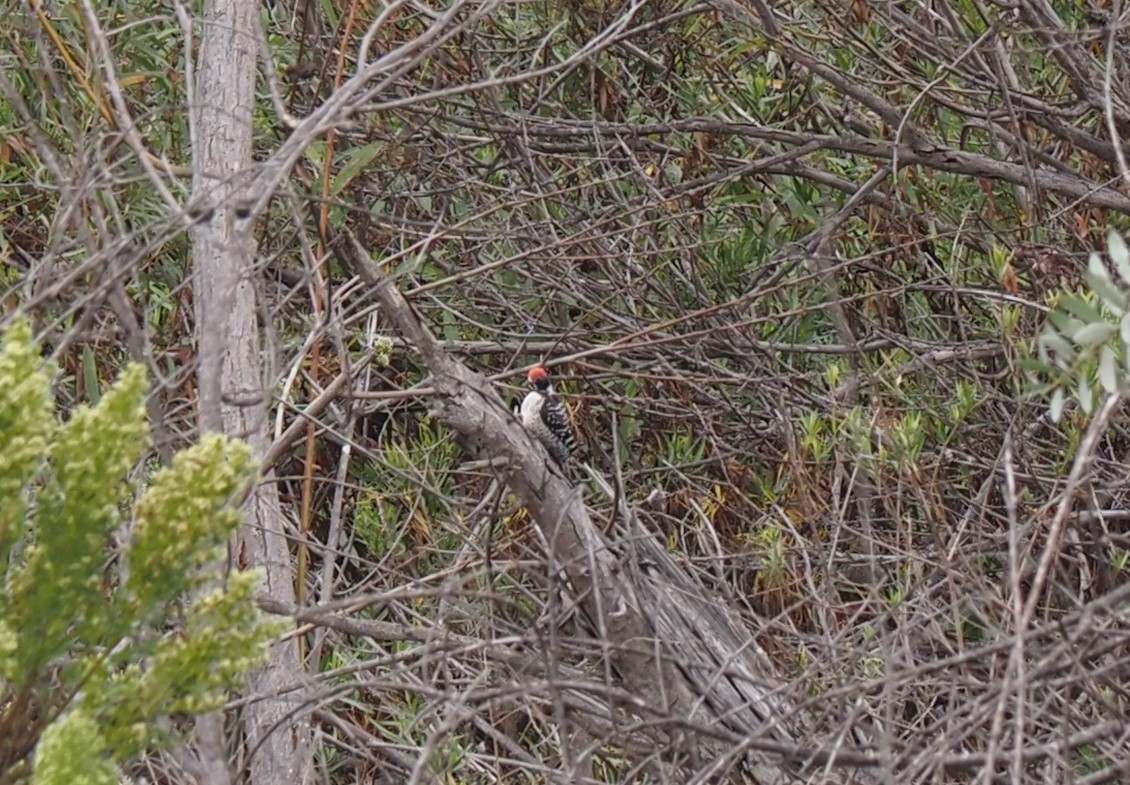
713,703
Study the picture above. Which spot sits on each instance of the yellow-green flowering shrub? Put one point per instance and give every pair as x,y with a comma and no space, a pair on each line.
101,644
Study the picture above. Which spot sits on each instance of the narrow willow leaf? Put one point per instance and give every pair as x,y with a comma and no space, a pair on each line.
1096,268
1108,370
357,160
1085,395
1063,323
1037,366
90,376
1059,398
1113,297
1080,308
1093,334
1061,352
1119,254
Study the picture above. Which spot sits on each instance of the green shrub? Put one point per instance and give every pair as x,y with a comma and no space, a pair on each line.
104,648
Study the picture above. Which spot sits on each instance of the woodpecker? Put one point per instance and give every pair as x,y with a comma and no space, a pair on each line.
545,416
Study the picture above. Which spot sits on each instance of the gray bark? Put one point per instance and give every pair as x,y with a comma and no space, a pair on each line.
231,391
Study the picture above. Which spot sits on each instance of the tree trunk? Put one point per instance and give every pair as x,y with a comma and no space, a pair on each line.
230,385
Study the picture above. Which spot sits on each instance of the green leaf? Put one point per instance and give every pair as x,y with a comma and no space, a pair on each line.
357,159
1083,310
1059,398
1064,353
1085,394
1035,365
1065,324
1108,370
1093,334
1096,268
90,376
1113,297
1119,254
316,152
